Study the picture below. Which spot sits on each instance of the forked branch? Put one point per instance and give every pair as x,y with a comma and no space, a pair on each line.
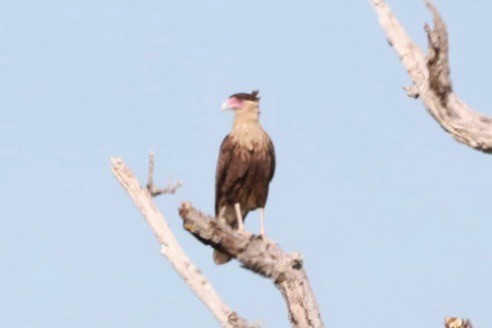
432,83
431,79
153,190
172,250
255,253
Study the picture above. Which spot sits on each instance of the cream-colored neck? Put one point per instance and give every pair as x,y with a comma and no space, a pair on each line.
247,130
248,114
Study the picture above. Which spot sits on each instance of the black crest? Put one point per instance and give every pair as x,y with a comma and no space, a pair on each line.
253,96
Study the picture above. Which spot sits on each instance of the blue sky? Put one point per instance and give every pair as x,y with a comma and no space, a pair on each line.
391,214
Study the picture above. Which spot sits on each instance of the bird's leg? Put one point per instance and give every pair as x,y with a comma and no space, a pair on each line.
239,216
262,222
221,213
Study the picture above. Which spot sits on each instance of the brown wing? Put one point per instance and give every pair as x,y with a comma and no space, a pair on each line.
262,173
271,155
230,171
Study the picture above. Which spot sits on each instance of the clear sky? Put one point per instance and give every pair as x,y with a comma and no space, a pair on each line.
392,215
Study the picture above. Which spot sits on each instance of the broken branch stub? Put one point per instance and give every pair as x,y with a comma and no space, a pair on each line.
431,79
172,250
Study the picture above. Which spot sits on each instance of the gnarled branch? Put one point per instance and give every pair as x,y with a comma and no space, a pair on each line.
170,248
452,322
432,83
261,256
431,80
257,254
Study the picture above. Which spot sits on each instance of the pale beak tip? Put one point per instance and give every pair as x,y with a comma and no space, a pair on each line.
225,105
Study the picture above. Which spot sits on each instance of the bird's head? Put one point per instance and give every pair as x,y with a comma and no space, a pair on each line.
243,103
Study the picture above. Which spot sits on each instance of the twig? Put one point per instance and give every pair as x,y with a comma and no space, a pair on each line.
431,80
173,251
153,190
263,257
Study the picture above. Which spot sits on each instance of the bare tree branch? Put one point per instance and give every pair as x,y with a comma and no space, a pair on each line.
452,322
260,255
172,250
431,81
154,191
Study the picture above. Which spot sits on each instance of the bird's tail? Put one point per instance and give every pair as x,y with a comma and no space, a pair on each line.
228,214
220,257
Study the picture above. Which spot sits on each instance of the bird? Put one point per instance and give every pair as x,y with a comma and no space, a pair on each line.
245,167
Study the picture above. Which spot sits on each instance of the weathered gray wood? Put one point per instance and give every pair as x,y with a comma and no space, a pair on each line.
432,83
153,190
262,256
172,250
452,322
431,80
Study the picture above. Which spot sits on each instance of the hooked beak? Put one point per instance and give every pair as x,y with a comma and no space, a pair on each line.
225,105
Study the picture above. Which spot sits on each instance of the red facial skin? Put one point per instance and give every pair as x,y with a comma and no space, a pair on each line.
234,103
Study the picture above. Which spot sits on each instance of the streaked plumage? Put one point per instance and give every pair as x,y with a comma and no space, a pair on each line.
246,165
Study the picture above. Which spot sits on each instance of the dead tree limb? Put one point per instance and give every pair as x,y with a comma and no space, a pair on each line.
432,83
431,79
170,248
153,190
452,322
263,257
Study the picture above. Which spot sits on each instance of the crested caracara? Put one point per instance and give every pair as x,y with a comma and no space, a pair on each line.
245,167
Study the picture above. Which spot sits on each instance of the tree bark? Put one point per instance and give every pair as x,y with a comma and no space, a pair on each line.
452,322
172,250
262,256
258,254
432,83
431,79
